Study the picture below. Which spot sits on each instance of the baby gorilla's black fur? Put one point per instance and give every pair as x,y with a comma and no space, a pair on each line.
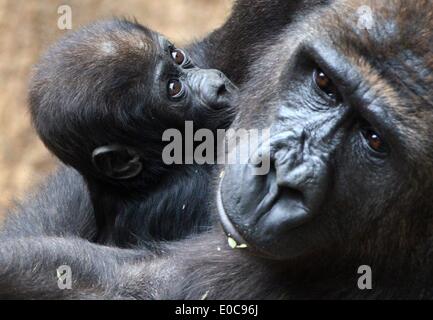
101,99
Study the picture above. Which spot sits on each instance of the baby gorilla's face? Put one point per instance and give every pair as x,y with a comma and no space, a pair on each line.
179,88
189,85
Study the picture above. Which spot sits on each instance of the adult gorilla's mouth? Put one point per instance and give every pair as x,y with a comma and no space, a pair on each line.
256,213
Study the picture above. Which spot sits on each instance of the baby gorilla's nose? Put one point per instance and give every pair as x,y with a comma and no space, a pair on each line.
224,93
214,88
222,90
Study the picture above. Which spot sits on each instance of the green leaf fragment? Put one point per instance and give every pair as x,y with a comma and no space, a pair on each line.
232,242
234,245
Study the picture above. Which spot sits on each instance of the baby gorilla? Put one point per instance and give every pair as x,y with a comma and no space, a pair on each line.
101,99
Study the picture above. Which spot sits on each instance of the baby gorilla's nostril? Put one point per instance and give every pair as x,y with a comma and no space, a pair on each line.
222,90
215,89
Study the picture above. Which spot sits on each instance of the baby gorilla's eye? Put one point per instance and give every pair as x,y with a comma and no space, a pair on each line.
178,56
373,140
175,89
325,84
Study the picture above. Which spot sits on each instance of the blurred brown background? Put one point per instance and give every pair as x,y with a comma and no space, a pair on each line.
27,27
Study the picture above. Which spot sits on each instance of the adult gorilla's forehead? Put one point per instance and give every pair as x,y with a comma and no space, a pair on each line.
258,98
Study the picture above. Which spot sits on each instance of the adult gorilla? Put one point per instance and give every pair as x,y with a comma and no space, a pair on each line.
352,157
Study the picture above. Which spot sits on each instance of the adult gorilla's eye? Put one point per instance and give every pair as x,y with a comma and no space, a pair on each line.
325,84
178,56
373,140
175,89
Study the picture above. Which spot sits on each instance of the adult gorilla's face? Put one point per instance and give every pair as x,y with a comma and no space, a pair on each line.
351,144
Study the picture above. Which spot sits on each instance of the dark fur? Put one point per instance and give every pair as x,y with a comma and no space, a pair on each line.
375,213
46,211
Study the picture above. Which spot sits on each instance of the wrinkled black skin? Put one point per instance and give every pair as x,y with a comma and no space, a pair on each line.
324,266
83,98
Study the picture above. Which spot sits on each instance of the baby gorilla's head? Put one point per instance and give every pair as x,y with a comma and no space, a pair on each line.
102,97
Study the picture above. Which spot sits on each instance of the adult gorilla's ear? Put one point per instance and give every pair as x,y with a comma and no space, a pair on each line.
117,162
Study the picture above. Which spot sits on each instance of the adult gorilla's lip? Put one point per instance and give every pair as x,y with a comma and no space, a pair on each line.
225,221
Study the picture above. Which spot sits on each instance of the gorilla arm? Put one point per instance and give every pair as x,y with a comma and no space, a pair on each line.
191,269
28,269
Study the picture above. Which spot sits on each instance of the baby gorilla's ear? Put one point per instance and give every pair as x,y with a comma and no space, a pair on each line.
117,162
